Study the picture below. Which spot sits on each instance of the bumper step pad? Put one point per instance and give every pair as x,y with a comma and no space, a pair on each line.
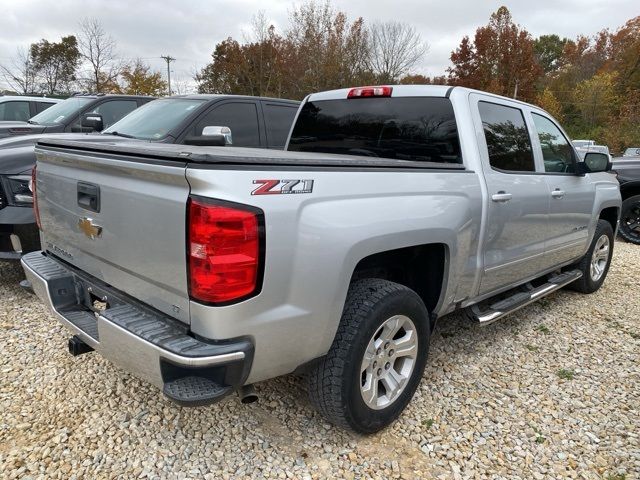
194,391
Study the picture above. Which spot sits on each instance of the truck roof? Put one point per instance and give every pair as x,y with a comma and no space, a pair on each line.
6,98
215,96
411,91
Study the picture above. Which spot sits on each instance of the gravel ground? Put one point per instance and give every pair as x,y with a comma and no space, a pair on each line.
551,392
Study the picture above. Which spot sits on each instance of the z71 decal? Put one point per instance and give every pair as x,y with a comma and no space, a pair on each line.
279,187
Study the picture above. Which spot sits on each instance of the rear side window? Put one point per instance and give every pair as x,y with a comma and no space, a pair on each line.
240,117
419,129
278,119
15,111
508,141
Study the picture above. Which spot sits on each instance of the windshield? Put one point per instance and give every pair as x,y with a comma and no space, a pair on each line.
156,119
60,111
419,129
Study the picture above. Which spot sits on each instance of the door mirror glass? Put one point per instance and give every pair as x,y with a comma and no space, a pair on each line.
92,122
214,131
597,162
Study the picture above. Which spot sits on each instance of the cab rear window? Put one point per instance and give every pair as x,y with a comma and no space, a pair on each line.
403,128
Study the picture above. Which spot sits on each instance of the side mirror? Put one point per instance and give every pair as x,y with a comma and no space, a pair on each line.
597,162
92,122
212,137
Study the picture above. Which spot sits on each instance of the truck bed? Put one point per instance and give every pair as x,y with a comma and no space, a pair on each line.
235,155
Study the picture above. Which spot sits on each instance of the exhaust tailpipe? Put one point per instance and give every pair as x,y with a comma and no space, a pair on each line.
78,347
247,394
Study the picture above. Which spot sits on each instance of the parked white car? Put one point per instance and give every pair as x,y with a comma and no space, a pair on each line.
20,109
632,152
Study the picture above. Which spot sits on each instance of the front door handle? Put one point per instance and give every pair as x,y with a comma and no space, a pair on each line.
557,193
501,196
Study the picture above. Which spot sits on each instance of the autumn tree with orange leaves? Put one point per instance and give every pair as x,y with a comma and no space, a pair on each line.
500,59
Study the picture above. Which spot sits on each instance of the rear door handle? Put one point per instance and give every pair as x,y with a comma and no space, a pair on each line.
501,196
557,193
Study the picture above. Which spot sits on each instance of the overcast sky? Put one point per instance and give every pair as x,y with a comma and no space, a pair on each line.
189,29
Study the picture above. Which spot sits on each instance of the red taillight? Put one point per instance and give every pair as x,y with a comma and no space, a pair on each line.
224,251
364,92
36,212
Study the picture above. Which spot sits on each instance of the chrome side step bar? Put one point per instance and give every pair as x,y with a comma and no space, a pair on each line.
515,302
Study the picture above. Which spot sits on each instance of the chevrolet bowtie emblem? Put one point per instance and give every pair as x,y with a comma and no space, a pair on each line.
89,228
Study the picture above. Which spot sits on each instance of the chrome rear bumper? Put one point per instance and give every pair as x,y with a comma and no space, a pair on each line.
141,340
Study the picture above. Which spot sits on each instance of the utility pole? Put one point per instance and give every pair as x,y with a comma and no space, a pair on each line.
515,92
168,59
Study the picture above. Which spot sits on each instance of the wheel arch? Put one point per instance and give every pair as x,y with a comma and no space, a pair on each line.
422,268
611,215
629,189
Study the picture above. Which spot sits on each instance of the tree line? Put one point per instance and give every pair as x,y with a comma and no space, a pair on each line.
86,61
591,84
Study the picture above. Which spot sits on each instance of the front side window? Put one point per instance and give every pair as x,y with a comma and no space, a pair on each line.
508,141
111,111
42,106
240,117
421,129
14,111
114,110
557,152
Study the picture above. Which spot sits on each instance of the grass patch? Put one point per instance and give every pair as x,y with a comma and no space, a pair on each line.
428,423
617,476
566,374
543,329
539,437
531,348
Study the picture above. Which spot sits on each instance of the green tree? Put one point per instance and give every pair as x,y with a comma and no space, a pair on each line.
138,79
55,64
596,99
548,50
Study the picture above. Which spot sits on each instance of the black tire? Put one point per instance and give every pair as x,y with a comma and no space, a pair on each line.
335,380
586,283
630,220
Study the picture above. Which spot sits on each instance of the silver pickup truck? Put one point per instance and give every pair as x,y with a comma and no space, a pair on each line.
206,269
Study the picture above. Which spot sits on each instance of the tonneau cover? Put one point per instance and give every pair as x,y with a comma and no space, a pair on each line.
234,155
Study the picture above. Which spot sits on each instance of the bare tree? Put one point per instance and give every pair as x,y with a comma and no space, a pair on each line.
20,75
98,48
395,49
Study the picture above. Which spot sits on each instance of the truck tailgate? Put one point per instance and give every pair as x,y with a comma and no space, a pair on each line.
119,220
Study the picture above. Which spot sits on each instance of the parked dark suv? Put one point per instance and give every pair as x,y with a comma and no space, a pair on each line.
629,177
188,119
67,116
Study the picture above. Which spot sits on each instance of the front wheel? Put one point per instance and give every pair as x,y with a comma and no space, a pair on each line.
630,220
376,360
595,264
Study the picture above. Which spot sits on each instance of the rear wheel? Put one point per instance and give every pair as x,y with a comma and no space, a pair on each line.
595,264
630,220
376,360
